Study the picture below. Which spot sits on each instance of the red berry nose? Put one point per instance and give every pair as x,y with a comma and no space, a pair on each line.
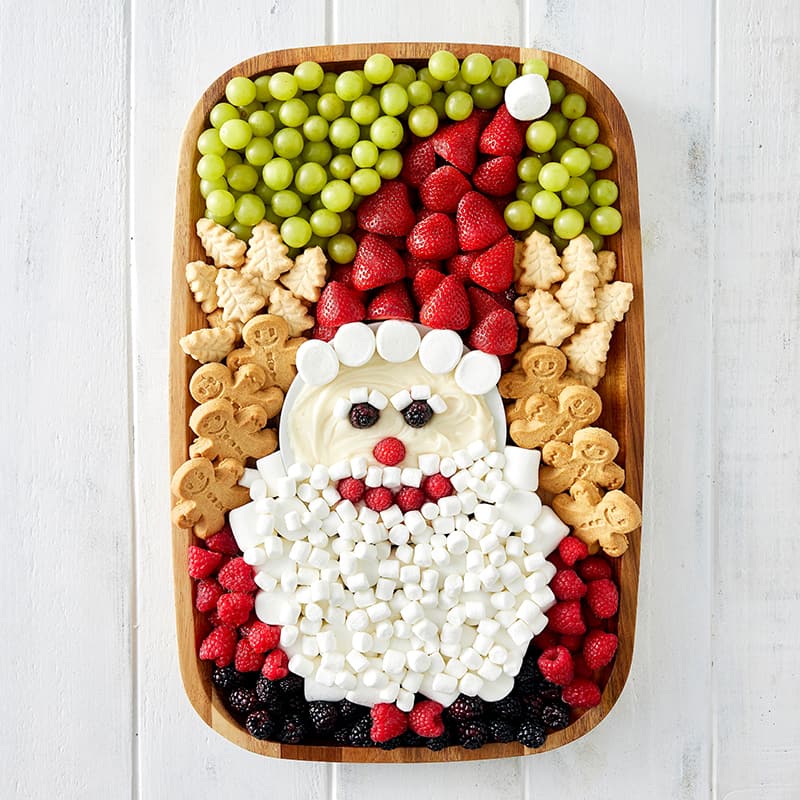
389,451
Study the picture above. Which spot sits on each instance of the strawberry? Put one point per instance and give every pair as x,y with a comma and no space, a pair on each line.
234,608
478,222
494,267
414,265
376,263
219,646
447,306
566,585
481,303
502,136
599,649
276,665
391,302
223,542
419,161
202,562
581,693
425,282
572,549
457,143
388,211
497,333
460,264
507,298
425,719
388,722
323,332
206,595
603,598
497,177
237,576
556,665
343,273
433,238
262,637
442,189
246,658
338,305
565,617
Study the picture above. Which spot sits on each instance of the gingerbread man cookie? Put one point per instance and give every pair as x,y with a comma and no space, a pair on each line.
599,520
545,419
541,371
590,457
223,432
248,386
205,493
267,344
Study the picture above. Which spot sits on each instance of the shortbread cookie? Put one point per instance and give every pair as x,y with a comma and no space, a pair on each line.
216,320
248,386
577,295
238,297
208,344
220,244
201,278
590,457
267,255
307,277
613,301
587,350
540,266
606,266
282,303
223,432
579,255
547,322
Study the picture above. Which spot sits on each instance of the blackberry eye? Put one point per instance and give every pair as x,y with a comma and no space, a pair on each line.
417,414
364,415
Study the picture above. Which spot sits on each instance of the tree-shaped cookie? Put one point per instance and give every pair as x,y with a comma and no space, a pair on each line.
223,432
205,493
248,386
590,457
598,520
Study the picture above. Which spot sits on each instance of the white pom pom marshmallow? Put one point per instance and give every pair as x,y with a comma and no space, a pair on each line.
317,363
354,344
397,341
440,351
478,372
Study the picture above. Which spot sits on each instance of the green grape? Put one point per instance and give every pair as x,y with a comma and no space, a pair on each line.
240,91
243,232
310,179
365,182
250,108
367,85
589,176
285,203
295,232
504,70
304,213
288,142
378,68
443,65
568,223
259,151
393,99
328,85
365,110
584,131
342,166
209,143
342,248
293,113
601,155
553,177
586,209
540,136
283,86
536,67
315,129
318,152
349,85
527,191
476,68
390,163
575,192
263,94
261,123
206,186
458,105
558,242
558,121
386,132
528,168
242,177
310,99
308,75
264,192
272,108
210,167
542,227
557,90
365,154
595,238
576,160
296,163
231,159
546,204
424,74
277,174
235,133
249,209
438,102
337,195
423,121
419,93
487,95
221,113
561,147
348,221
573,106
457,84
605,220
325,222
226,220
220,203
363,132
315,203
518,215
604,192
344,132
403,74
318,241
270,215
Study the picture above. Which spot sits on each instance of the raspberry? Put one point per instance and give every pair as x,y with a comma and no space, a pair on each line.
566,585
531,734
293,730
202,562
324,716
223,542
389,451
464,708
581,693
276,665
573,642
472,734
425,719
246,659
555,664
565,617
379,498
572,549
594,568
388,721
235,608
410,498
555,715
219,646
206,595
351,489
363,415
259,724
545,639
262,637
599,649
236,576
418,414
603,598
581,668
437,486
242,700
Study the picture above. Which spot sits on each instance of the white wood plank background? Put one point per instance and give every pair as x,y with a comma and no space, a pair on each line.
94,97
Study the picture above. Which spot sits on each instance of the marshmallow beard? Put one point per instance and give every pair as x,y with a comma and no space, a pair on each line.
375,607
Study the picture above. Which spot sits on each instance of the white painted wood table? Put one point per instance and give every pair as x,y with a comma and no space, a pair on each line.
94,96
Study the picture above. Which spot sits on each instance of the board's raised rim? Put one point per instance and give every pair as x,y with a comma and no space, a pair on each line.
626,368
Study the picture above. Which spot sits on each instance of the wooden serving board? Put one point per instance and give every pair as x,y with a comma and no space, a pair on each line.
622,388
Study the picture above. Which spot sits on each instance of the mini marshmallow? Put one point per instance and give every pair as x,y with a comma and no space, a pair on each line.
288,582
500,492
319,508
357,620
420,392
440,556
367,515
437,404
478,449
457,615
470,684
453,584
474,561
404,553
496,459
385,588
463,459
429,580
254,556
346,680
342,408
448,467
339,470
389,569
326,641
265,581
413,591
519,632
426,629
429,510
405,699
317,362
409,574
258,489
374,477
522,468
265,524
502,601
442,525
391,477
271,466
478,373
497,557
300,551
449,506
364,598
476,610
550,530
544,599
479,469
301,665
429,463
445,683
489,543
362,641
412,681
418,661
412,612
373,533
284,487
457,543
249,477
486,513
289,634
401,400
469,501
378,400
358,394
374,679
415,522
358,582
510,572
489,671
411,476
422,555
515,547
471,658
358,466
528,97
358,661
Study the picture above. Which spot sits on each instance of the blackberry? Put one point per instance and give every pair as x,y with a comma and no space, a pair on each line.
411,739
259,724
363,415
508,708
392,744
531,705
556,715
226,678
291,684
269,695
295,705
349,712
293,730
243,700
464,708
359,733
418,414
324,716
500,730
342,736
549,692
531,733
471,735
437,743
